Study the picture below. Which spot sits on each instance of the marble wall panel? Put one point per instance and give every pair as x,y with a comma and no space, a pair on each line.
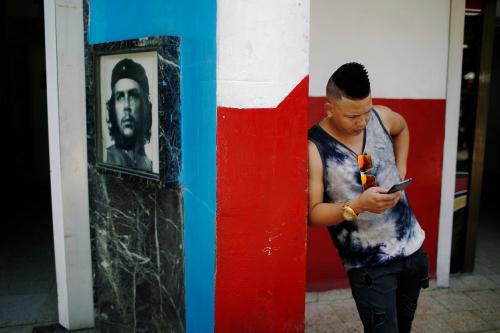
136,218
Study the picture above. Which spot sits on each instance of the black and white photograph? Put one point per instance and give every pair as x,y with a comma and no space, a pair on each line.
128,103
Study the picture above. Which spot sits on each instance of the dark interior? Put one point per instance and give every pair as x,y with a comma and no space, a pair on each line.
27,274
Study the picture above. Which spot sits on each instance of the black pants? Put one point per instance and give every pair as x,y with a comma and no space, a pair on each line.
386,296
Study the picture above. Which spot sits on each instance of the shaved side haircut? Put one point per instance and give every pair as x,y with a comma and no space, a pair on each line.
349,80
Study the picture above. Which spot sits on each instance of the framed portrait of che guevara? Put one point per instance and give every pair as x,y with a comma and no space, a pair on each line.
137,103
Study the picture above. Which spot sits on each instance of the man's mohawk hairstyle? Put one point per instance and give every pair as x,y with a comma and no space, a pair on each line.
352,81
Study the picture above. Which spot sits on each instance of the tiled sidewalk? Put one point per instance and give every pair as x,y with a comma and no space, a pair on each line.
471,304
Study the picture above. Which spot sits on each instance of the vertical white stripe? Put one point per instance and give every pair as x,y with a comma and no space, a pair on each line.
450,141
54,155
68,161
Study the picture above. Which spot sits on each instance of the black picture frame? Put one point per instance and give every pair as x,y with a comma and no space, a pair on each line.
159,57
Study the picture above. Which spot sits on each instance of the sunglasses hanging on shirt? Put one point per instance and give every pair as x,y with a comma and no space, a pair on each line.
365,165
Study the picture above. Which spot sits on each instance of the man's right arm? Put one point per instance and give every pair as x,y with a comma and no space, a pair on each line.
320,213
326,214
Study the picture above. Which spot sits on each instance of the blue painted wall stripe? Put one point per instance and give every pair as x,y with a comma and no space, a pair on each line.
195,22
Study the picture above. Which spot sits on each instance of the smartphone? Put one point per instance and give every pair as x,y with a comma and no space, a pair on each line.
400,186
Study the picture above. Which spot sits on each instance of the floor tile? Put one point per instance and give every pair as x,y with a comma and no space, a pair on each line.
484,298
27,309
456,301
465,321
353,327
324,328
334,295
428,305
430,323
346,311
318,314
491,315
457,284
17,329
478,282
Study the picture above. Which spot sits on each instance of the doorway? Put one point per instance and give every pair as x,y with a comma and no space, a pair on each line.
486,259
27,272
475,231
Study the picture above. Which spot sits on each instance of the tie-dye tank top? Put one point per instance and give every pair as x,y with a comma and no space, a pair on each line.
373,239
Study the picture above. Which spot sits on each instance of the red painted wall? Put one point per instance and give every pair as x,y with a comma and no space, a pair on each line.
262,216
425,119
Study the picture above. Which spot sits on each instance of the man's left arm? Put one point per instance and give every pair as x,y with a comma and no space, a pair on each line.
398,129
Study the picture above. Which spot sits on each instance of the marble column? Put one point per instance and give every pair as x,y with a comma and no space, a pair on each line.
136,218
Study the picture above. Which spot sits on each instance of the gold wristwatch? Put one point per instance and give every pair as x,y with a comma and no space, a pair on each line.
348,213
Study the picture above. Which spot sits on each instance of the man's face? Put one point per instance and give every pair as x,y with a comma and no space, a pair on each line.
348,116
128,108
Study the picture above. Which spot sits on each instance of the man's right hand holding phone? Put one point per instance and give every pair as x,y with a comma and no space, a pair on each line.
375,200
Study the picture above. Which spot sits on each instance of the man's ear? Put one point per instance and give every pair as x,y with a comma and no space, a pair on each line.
328,107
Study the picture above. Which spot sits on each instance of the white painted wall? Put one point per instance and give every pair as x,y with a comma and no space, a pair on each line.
262,51
68,161
402,43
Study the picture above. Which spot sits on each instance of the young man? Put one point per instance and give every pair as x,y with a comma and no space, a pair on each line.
356,153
